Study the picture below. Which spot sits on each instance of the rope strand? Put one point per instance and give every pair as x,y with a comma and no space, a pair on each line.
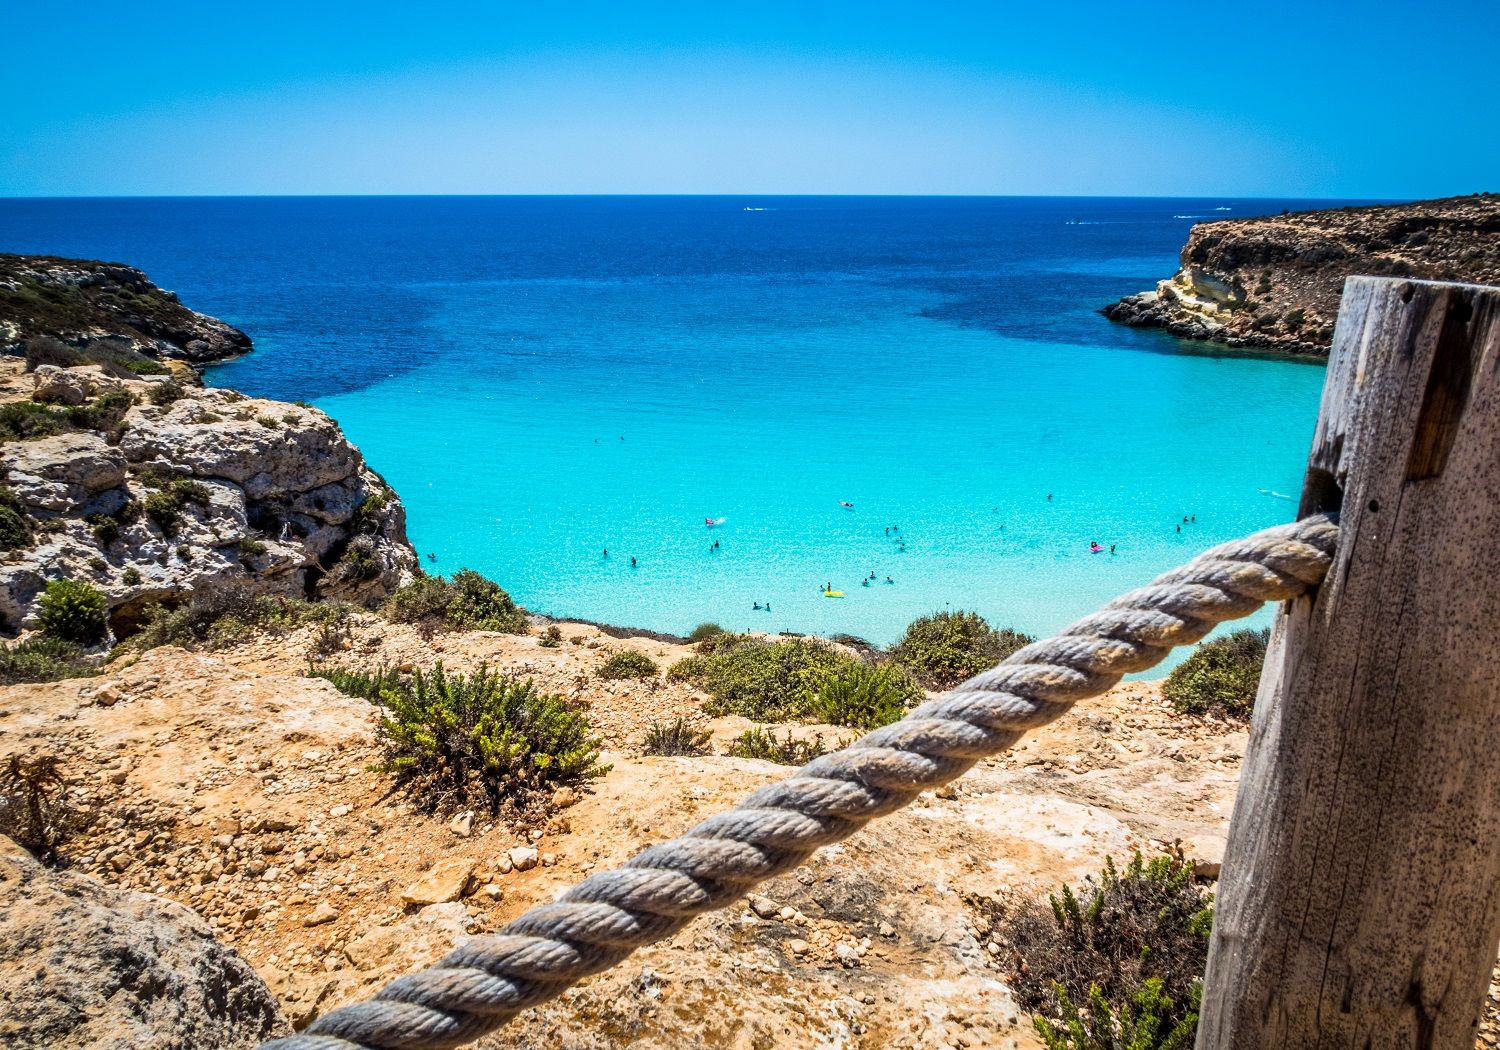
595,925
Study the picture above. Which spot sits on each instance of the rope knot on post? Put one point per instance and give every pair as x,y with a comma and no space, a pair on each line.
599,922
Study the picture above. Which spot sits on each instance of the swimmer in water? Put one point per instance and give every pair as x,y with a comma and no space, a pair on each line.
1111,548
889,580
1049,497
632,562
606,552
432,557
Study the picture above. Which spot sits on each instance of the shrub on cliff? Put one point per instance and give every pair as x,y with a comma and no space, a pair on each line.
1135,941
765,681
484,738
45,350
676,739
41,658
163,394
705,632
230,614
947,647
1222,675
762,744
864,697
15,528
628,664
467,602
26,420
33,803
72,612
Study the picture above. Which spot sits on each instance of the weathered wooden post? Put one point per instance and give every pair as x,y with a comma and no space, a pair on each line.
1360,900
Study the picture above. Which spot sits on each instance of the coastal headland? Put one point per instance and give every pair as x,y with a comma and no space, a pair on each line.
1274,283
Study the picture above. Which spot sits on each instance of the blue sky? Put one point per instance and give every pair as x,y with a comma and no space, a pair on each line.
1374,99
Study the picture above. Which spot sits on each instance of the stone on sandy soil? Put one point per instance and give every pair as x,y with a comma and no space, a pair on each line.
564,797
524,858
324,912
765,907
85,965
463,824
444,881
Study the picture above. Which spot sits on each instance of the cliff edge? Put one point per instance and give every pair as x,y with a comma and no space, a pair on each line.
1274,282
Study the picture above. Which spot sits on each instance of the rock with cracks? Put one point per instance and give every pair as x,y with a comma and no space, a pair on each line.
85,965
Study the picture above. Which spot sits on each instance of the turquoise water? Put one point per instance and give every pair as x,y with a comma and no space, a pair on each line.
515,465
937,362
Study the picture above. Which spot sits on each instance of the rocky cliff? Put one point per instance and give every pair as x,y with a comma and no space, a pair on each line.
84,303
155,493
1275,282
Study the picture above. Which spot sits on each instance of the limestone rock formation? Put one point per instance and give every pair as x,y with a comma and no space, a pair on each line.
80,301
86,965
1275,282
189,496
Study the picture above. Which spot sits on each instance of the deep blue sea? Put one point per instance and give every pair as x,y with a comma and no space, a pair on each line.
546,378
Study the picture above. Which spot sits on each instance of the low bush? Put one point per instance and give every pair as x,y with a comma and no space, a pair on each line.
704,631
33,804
15,527
72,612
43,659
231,614
1106,942
1141,1024
765,681
46,350
164,506
163,394
628,663
864,697
484,738
105,527
948,647
676,739
467,602
104,413
1222,676
551,638
762,744
25,420
366,685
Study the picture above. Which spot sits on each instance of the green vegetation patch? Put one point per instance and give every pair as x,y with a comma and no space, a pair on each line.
628,664
72,612
947,647
481,739
676,739
864,697
1222,676
42,658
762,744
467,602
15,527
1131,945
765,681
228,615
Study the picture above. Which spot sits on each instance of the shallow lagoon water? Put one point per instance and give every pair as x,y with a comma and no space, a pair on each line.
545,378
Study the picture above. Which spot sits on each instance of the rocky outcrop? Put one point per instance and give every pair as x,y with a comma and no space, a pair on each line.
1275,282
81,302
85,965
177,498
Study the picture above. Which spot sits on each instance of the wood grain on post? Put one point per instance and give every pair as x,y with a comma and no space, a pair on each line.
1359,904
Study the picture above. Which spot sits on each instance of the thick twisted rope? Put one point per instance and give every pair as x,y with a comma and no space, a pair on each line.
599,922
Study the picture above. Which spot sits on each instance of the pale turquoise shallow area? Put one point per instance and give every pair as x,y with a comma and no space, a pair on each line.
513,463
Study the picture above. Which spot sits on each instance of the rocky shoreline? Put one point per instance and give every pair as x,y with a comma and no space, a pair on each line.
1274,283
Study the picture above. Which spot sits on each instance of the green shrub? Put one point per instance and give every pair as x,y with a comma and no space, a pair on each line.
467,602
484,738
106,529
628,664
864,697
148,368
762,744
15,529
230,614
163,394
73,612
249,548
676,739
765,681
1106,942
162,508
705,631
47,350
131,576
1221,676
366,685
25,420
947,647
41,658
269,422
103,413
1142,1024
551,638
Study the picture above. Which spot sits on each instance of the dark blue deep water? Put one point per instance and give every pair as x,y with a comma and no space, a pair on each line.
938,362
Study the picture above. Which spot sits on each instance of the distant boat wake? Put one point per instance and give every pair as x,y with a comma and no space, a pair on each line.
1278,495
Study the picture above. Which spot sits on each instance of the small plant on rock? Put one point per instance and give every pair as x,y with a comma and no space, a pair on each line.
468,602
1221,676
41,658
484,738
676,739
764,681
945,648
704,631
1141,1024
628,664
864,697
15,529
73,612
762,744
32,810
551,638
163,394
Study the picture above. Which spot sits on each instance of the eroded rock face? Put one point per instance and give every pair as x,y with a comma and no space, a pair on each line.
1275,282
207,492
85,965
